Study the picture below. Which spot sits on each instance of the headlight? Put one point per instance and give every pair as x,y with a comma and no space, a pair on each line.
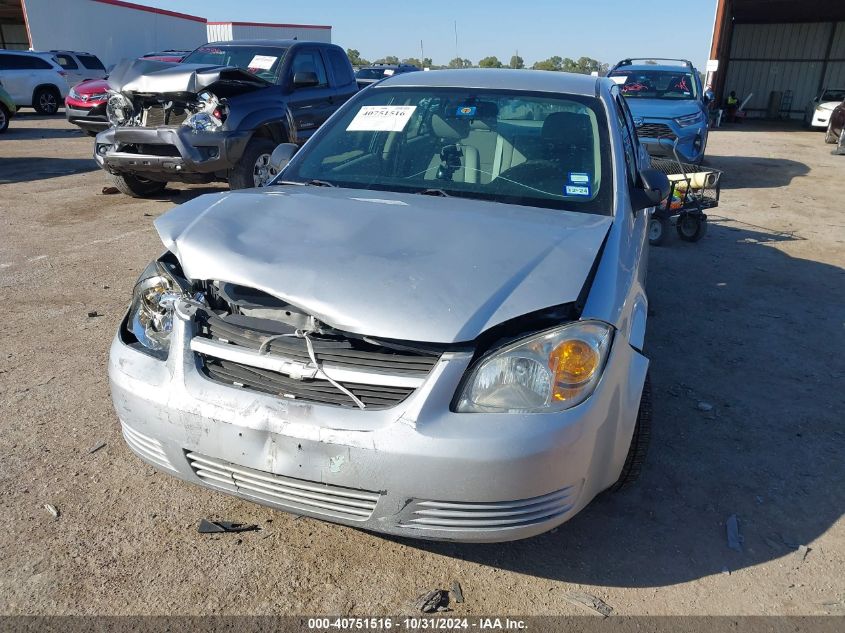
151,312
546,372
119,109
690,119
73,94
203,122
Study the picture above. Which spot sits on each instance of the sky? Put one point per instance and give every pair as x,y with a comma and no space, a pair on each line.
607,30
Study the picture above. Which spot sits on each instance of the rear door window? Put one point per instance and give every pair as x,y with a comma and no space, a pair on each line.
91,62
340,67
65,61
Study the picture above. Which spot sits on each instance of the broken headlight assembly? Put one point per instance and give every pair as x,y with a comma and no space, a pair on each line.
208,115
543,373
119,109
150,316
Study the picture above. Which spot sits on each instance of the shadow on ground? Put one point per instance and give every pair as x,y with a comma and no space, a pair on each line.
25,169
741,172
770,365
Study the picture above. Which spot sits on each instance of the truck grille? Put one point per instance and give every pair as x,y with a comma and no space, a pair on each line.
380,376
656,130
287,493
158,116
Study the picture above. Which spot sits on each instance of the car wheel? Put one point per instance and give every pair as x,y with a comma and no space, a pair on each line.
657,228
691,227
829,136
4,118
46,100
135,186
639,442
253,169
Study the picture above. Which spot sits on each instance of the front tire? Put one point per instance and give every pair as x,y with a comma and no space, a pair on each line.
4,118
46,100
135,186
253,169
639,442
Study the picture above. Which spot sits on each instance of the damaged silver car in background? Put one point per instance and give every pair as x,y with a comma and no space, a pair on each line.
430,324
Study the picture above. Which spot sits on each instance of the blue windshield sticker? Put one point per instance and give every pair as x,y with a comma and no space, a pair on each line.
579,178
577,190
468,111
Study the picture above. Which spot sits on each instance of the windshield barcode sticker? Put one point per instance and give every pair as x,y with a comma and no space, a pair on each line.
262,62
381,119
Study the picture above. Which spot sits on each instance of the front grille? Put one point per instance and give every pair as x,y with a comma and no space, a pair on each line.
287,493
380,376
158,115
312,390
656,130
146,447
486,516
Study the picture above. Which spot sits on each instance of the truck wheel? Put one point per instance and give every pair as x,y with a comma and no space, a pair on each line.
135,186
639,442
4,118
829,136
46,100
253,169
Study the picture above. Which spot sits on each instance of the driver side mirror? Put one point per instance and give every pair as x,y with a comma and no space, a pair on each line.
655,188
305,79
708,96
281,156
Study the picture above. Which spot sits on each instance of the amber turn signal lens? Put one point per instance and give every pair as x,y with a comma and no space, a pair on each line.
573,362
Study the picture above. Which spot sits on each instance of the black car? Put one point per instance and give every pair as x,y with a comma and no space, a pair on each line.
376,72
219,114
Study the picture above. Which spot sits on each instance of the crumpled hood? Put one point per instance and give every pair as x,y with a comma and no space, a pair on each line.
154,77
662,108
398,266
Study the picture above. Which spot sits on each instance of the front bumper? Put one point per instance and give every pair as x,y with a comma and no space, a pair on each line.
90,119
692,141
416,470
168,151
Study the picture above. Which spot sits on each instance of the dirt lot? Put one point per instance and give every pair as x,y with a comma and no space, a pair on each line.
749,320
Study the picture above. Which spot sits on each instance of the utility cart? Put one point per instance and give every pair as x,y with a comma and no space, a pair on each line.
693,190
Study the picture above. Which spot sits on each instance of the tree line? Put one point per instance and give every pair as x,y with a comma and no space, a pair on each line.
582,65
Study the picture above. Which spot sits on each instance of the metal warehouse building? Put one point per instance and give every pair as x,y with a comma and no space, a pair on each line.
782,52
219,31
114,29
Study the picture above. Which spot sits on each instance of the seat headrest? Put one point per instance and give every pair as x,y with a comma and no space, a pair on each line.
452,129
568,128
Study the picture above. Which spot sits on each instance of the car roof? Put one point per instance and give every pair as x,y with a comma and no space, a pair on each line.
672,68
264,42
503,78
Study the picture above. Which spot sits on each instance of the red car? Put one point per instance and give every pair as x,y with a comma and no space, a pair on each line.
85,104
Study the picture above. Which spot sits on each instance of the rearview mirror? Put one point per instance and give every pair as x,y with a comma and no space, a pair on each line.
655,188
281,156
305,79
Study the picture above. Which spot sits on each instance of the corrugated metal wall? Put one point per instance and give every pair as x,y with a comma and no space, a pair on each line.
781,57
235,31
110,31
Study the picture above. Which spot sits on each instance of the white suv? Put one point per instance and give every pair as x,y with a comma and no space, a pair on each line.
34,79
79,66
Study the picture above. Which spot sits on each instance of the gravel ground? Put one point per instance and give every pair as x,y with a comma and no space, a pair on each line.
749,321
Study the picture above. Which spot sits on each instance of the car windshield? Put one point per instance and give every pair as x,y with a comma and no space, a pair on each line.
833,95
655,84
263,61
373,73
534,149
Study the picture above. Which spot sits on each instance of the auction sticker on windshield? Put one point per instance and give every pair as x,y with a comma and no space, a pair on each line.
381,119
262,62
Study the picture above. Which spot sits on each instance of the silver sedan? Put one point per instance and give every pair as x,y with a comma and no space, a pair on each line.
430,324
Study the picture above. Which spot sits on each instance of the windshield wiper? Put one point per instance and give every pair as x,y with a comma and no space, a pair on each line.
319,183
433,192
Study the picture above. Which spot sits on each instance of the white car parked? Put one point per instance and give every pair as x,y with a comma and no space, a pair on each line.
79,66
818,110
34,79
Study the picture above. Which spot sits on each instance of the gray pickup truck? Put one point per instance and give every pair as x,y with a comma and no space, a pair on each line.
218,115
